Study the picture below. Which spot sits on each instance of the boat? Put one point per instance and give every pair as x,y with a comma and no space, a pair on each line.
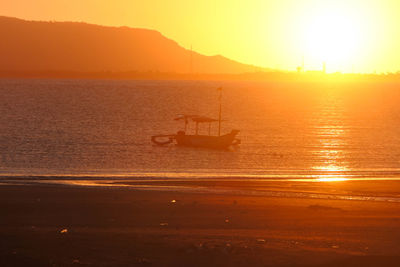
181,138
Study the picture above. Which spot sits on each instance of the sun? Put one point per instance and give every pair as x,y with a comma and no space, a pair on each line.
331,37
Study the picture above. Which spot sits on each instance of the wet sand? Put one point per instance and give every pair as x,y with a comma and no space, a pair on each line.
52,225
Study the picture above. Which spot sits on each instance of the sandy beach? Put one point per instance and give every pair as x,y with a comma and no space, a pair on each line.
53,225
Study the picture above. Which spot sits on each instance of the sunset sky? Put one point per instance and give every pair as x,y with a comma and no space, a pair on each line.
349,35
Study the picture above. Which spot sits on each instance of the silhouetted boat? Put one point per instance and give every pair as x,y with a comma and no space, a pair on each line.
196,140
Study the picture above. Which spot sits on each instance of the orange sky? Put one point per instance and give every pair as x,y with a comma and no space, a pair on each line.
350,36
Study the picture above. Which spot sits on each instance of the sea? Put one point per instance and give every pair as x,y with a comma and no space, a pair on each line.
101,129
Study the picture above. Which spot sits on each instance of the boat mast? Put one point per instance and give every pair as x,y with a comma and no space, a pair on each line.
220,108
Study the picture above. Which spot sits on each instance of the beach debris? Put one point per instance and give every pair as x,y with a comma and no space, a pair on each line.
173,201
261,241
227,249
335,246
76,261
64,231
227,221
163,224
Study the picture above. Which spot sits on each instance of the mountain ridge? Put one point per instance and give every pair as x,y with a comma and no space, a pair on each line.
82,47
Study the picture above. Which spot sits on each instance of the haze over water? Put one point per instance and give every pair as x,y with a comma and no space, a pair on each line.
288,130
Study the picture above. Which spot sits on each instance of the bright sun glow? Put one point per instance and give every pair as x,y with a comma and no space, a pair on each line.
332,37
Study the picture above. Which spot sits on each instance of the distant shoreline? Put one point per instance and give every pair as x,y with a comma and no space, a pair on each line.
311,76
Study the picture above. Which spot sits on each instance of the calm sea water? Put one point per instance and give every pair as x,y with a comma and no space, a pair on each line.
289,130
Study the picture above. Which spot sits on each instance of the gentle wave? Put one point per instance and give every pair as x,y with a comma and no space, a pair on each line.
168,185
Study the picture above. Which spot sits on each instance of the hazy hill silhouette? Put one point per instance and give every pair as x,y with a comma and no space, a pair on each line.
69,46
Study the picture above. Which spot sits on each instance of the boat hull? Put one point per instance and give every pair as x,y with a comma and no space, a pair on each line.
207,141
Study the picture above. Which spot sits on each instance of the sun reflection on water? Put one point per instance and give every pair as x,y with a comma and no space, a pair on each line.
331,132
